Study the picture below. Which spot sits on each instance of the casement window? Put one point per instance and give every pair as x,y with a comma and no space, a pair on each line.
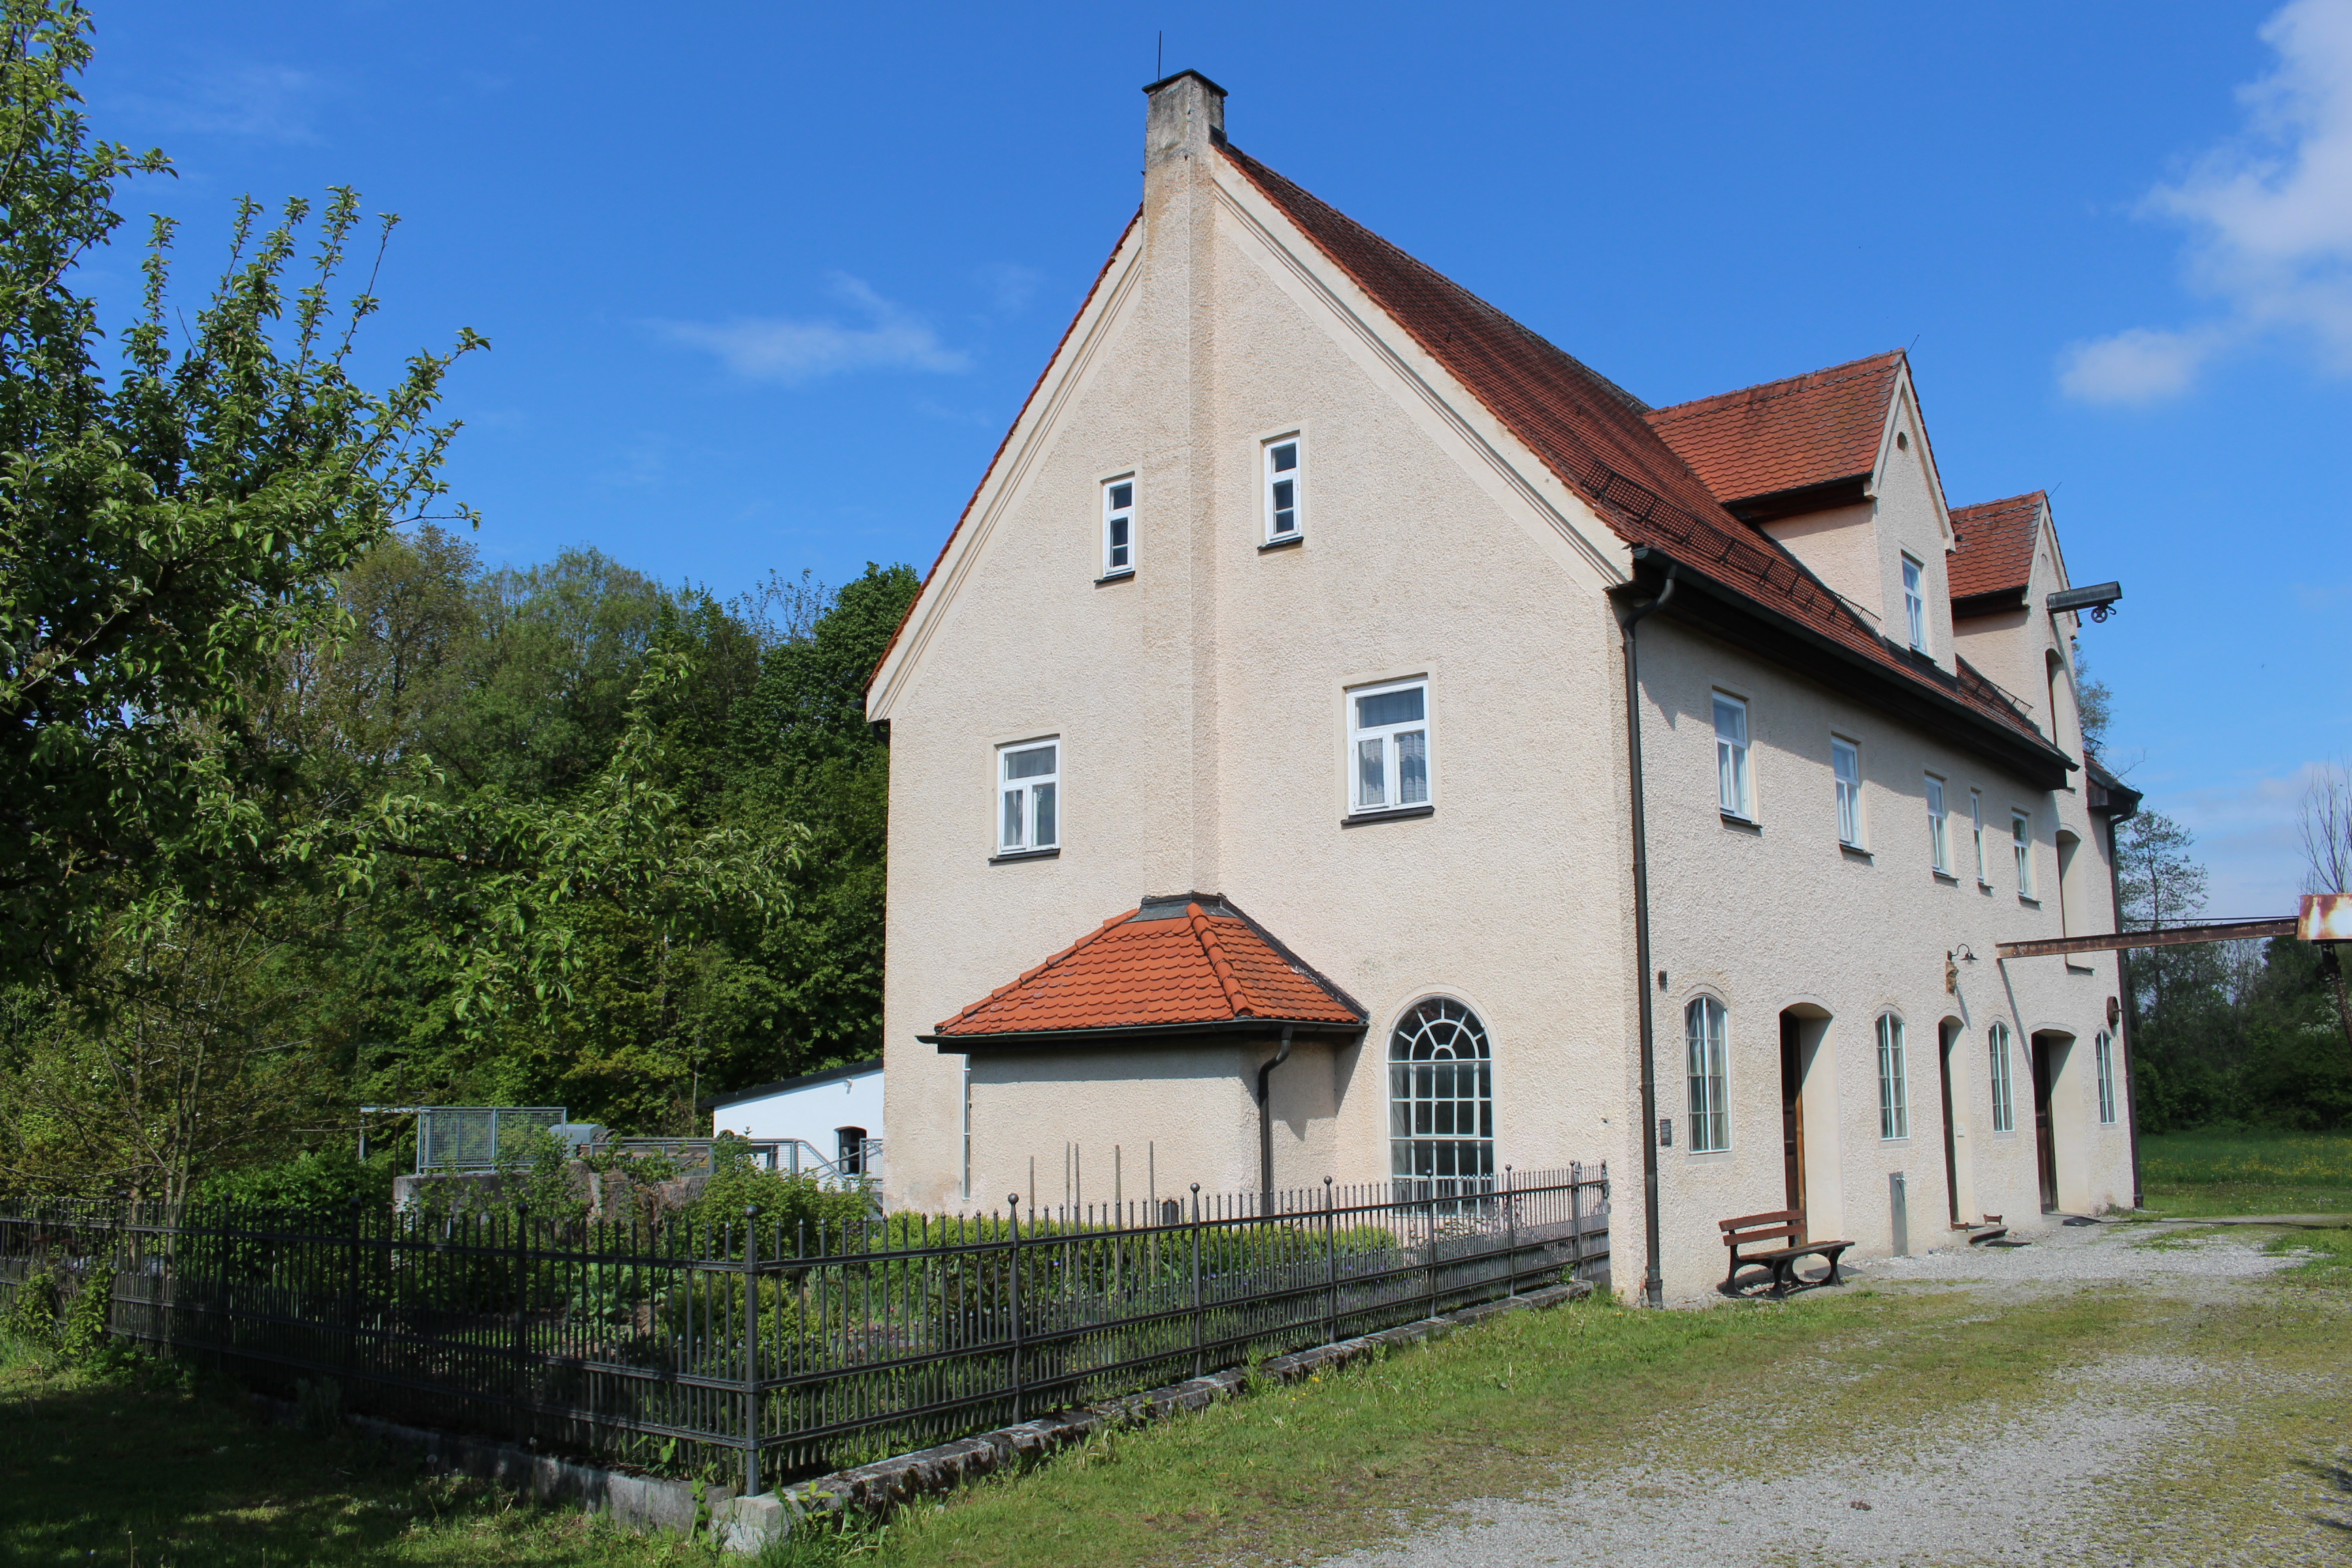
2004,1099
1118,526
2020,843
1441,1099
1893,1081
1389,729
2103,1054
1029,778
1285,477
1733,789
1846,762
1940,834
1914,604
1976,833
1704,1028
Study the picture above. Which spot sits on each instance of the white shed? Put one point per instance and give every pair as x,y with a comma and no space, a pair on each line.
835,1115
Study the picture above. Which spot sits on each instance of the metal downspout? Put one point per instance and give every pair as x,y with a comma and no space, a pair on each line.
1653,1291
1265,1121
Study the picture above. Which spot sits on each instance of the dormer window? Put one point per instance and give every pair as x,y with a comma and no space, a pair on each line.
1118,526
1914,604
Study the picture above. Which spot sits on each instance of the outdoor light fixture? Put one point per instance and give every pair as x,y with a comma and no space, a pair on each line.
2100,600
1952,961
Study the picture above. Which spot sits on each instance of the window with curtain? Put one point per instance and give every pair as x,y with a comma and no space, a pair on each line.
1441,1098
1894,1080
1846,762
1390,728
2103,1054
1939,837
1914,604
2004,1100
1705,1026
1030,792
1733,793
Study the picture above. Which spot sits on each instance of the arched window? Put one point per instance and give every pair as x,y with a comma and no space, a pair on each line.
1441,1095
1893,1080
1704,1024
2004,1099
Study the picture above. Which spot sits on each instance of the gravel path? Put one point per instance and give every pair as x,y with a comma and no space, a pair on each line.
2012,1488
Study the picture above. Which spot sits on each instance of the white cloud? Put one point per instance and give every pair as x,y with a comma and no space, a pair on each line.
2270,215
768,348
1010,288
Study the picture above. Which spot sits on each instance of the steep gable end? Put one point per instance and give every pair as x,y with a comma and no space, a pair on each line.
1993,564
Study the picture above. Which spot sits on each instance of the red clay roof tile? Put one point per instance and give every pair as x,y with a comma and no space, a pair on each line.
1785,434
1995,548
1150,966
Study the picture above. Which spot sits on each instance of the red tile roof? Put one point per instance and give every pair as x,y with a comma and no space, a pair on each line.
1785,434
1166,964
1594,434
1996,549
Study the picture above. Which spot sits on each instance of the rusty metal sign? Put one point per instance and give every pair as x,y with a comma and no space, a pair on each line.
2326,917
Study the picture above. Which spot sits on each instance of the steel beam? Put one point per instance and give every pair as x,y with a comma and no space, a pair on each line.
2171,936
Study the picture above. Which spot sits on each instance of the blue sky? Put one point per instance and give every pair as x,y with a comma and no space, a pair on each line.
765,283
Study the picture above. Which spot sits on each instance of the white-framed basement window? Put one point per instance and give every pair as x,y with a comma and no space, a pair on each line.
1705,1026
1893,1080
1939,827
1735,791
2004,1096
2020,844
1846,762
2102,1053
1915,603
1286,478
1388,731
1029,805
1118,526
1976,827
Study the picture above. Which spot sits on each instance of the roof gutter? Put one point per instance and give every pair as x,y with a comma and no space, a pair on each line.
1138,1034
1653,1281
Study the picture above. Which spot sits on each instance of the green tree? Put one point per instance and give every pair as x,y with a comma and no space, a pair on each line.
170,526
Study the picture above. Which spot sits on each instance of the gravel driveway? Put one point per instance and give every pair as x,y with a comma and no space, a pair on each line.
2049,1483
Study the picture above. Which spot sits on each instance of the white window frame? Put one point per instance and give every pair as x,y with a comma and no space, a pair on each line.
2004,1083
1394,751
1028,788
1735,776
2103,1054
1976,824
1893,1080
1706,1030
1272,480
1939,827
2020,844
1113,515
1844,752
1915,602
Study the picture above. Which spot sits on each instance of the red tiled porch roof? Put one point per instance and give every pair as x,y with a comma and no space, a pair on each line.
1786,435
1996,550
1166,964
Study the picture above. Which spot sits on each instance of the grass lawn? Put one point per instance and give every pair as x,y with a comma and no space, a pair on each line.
2214,1172
136,1472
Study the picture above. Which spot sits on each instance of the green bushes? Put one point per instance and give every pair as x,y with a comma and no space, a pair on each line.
40,1319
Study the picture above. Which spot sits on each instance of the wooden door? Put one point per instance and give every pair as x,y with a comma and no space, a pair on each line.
1793,1111
2045,1146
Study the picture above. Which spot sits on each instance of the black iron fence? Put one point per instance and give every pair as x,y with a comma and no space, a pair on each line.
768,1349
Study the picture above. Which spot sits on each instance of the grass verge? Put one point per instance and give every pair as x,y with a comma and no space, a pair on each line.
2222,1171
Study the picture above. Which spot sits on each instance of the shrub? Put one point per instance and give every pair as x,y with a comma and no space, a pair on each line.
84,1340
33,1316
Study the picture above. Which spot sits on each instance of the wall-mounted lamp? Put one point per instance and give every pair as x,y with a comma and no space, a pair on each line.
1953,959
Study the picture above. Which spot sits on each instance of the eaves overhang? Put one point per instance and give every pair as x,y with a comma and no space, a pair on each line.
1736,617
1851,489
1215,1031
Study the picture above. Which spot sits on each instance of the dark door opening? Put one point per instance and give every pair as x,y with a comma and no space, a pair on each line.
1951,1147
1792,1111
2045,1145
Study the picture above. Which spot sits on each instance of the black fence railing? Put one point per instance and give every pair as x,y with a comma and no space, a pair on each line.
768,1349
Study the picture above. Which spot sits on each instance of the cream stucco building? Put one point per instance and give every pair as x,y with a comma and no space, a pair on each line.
1345,736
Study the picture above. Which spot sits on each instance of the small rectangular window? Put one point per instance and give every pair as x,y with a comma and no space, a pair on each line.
2021,837
2102,1052
1939,836
1914,604
1976,831
2004,1101
1734,795
1846,762
1030,778
1389,731
1710,1107
1285,477
1893,1083
1118,526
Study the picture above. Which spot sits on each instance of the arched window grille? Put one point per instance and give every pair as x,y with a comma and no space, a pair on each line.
1441,1098
1705,1026
1893,1080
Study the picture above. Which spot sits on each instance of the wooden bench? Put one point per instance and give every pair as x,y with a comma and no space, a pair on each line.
1790,1224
